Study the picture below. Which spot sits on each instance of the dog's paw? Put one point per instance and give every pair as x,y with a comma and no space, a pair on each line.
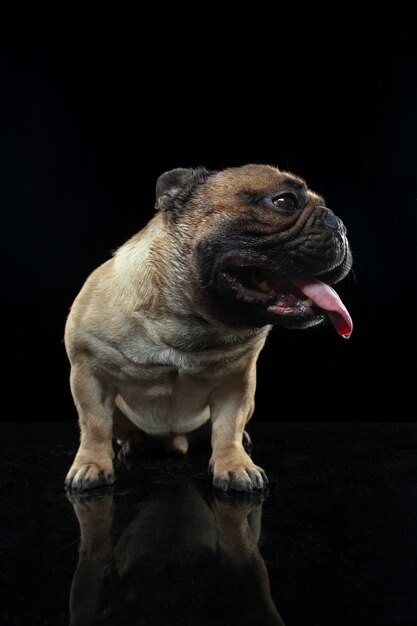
84,476
237,473
128,449
131,444
176,445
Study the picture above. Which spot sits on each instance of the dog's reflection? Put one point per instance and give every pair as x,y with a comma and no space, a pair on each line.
182,559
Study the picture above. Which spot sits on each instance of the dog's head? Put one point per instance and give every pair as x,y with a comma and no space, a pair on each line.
265,248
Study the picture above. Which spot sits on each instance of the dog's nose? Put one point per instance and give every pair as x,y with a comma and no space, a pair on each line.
332,221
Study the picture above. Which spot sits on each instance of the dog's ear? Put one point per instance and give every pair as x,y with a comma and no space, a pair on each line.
175,187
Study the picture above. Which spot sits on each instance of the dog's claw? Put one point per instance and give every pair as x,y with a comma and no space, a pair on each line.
88,476
264,476
241,478
221,484
256,479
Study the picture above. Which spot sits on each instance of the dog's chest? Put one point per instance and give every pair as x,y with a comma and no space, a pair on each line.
170,392
165,399
162,389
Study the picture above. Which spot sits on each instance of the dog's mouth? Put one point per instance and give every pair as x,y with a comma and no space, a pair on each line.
306,299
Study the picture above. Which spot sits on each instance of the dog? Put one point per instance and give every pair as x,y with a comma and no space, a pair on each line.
164,337
203,567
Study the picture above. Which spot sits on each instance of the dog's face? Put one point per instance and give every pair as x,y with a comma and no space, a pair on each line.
265,247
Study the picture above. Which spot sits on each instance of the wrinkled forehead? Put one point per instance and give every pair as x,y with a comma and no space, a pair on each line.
261,178
256,181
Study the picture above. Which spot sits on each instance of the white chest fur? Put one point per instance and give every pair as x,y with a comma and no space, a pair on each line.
166,399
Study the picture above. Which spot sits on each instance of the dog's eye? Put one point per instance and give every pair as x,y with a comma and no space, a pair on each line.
285,202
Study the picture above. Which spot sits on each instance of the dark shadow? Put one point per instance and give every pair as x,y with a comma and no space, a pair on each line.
179,557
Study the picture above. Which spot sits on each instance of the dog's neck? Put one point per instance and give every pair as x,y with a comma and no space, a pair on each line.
144,271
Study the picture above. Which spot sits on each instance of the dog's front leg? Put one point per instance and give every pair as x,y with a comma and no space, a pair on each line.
94,399
231,407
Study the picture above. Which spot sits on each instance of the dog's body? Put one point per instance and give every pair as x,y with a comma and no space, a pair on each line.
163,339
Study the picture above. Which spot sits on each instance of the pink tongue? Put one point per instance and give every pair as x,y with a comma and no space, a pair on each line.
327,299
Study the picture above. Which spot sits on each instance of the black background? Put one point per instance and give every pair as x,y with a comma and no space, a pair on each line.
93,114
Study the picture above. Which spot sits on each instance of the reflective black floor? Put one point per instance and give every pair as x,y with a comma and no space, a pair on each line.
332,543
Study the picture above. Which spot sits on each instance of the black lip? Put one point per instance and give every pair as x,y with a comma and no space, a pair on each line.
301,308
287,306
329,276
263,299
247,311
